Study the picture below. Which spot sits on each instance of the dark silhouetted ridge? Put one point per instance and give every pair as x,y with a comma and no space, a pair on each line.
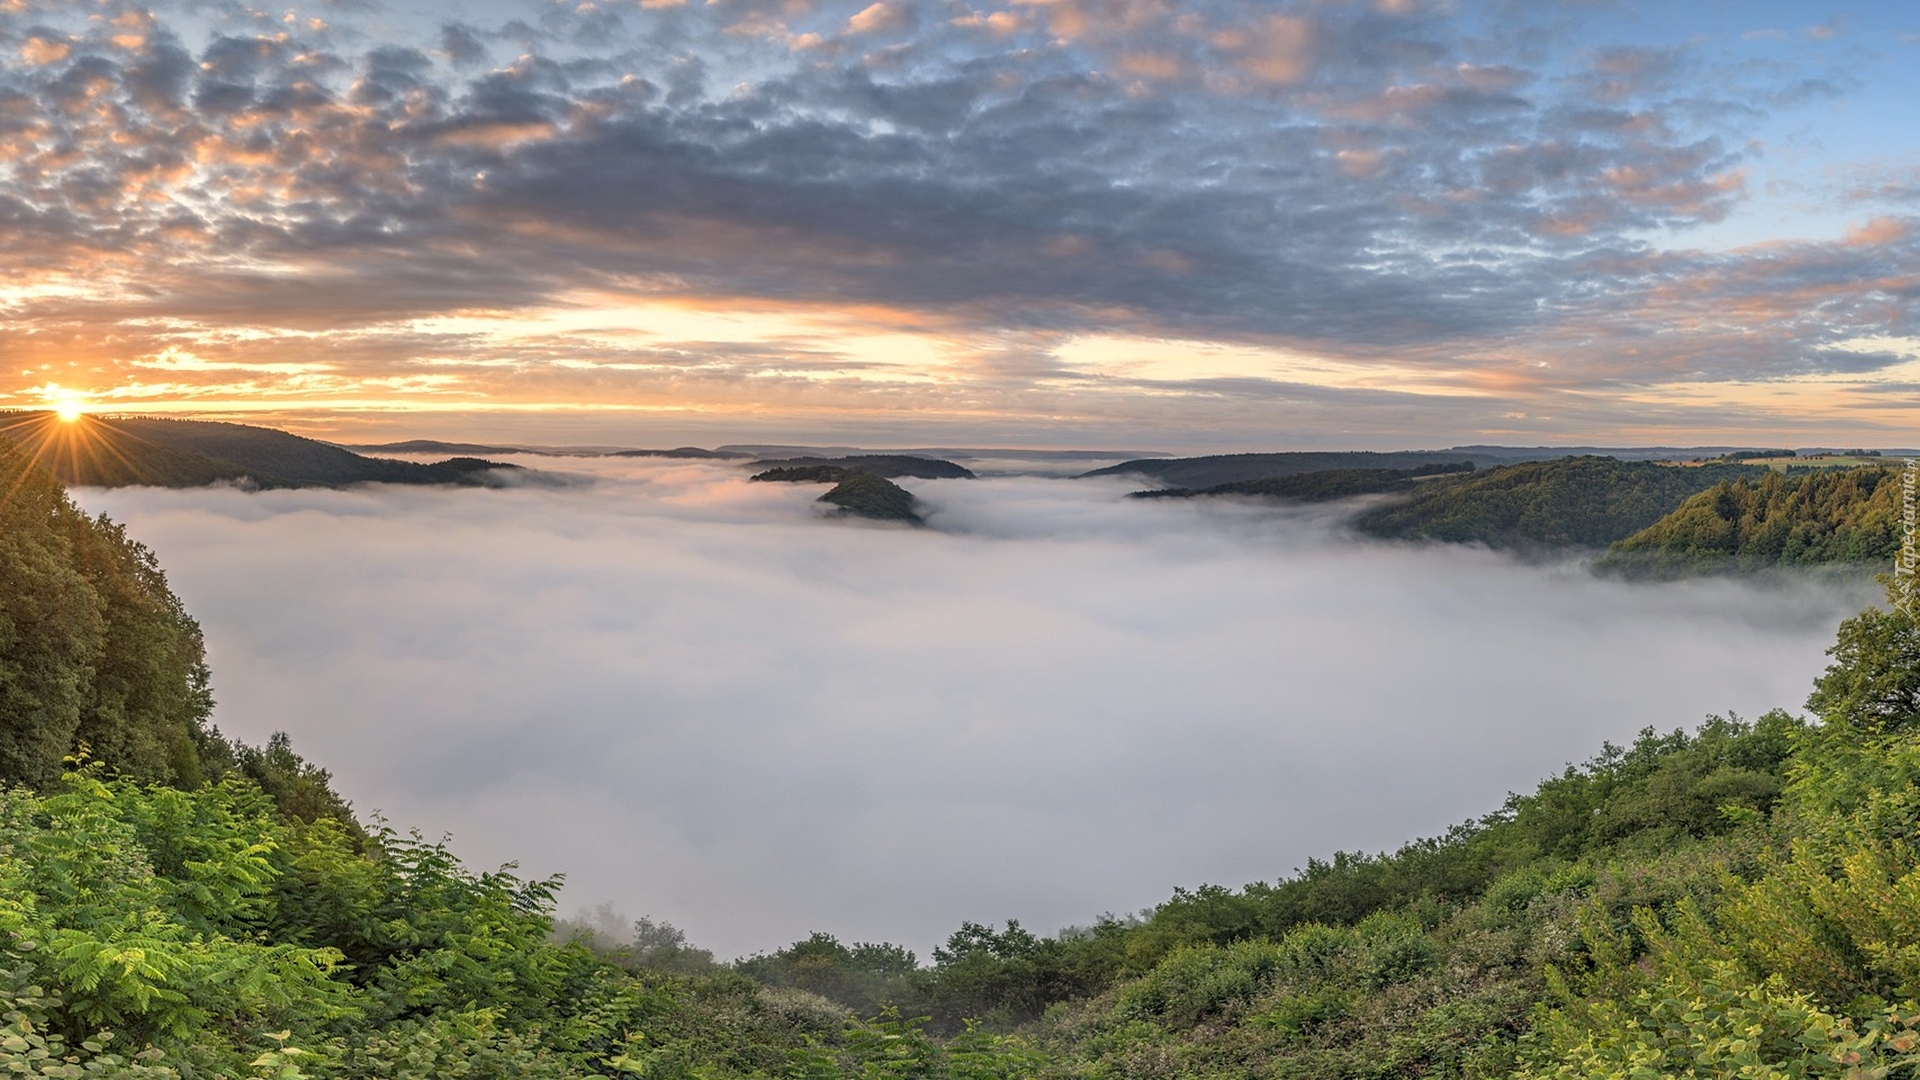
98,451
883,465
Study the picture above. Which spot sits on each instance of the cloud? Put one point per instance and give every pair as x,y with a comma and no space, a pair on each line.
1376,182
700,700
880,17
1880,230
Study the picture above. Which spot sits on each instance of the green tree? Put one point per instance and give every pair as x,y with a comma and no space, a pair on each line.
51,623
1873,683
95,649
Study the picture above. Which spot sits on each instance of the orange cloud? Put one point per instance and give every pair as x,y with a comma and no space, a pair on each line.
876,18
1881,230
40,51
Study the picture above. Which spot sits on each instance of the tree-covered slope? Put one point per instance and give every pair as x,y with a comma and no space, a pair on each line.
119,451
1571,502
1821,517
94,648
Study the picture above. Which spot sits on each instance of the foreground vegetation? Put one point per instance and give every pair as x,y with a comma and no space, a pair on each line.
1738,900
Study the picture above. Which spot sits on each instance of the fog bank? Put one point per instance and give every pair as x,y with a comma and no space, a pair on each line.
702,701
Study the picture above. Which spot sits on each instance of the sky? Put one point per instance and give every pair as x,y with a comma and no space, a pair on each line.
1177,224
704,703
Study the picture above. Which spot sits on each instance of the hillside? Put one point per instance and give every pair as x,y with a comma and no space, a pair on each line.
1572,502
1820,517
100,451
94,648
1318,486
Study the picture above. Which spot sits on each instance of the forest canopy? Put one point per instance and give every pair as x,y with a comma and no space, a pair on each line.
1846,516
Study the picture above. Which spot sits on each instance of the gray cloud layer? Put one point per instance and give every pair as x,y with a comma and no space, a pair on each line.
701,702
1444,187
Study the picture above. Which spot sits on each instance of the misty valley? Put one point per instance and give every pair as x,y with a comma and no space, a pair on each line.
959,540
947,800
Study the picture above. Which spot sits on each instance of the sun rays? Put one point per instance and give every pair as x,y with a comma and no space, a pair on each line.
73,444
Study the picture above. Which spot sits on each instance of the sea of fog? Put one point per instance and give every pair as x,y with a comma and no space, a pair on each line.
705,702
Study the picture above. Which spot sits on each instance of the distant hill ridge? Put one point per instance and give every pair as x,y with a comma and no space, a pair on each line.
98,451
1216,469
886,466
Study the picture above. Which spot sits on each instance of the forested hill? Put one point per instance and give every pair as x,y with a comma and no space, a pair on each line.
99,451
1572,502
1820,517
